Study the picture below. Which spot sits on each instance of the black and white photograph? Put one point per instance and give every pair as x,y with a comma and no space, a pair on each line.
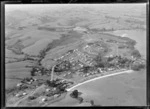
75,55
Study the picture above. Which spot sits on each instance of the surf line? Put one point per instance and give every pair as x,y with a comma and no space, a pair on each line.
127,71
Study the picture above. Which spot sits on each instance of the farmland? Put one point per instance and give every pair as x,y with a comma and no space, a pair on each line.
56,49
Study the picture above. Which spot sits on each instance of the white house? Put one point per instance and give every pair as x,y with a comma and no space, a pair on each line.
24,93
19,84
80,29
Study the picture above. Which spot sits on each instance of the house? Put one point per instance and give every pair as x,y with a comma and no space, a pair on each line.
43,99
65,85
69,73
20,94
17,95
19,84
80,65
30,82
34,79
24,93
56,95
100,70
111,56
110,69
54,88
79,29
47,90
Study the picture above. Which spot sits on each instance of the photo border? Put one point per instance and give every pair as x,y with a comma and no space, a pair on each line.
3,57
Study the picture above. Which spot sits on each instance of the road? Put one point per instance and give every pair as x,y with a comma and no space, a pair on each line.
28,95
127,71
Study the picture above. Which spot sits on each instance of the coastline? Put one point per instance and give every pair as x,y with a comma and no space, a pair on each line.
127,71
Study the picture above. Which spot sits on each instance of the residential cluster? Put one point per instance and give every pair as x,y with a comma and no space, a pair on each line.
71,68
42,90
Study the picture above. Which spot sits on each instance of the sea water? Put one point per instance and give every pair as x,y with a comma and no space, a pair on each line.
138,35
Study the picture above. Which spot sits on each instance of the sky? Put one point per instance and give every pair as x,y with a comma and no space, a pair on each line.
35,7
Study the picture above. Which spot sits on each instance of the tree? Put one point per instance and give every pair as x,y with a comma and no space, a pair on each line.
74,94
50,83
121,46
110,59
92,102
70,51
31,97
32,73
86,69
60,88
136,53
63,66
137,66
130,42
80,99
99,60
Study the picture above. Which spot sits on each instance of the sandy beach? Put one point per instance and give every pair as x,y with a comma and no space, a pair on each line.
127,89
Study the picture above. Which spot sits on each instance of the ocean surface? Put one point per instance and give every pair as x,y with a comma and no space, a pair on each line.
121,90
138,35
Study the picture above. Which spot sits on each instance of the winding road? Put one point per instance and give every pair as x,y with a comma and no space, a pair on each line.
31,93
127,71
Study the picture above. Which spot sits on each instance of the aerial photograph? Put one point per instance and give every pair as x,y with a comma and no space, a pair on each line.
75,55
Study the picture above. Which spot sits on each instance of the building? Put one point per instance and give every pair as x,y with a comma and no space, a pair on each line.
20,94
19,84
47,90
56,95
79,29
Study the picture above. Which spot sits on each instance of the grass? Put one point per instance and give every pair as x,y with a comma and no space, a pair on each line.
37,47
15,71
60,46
10,83
33,39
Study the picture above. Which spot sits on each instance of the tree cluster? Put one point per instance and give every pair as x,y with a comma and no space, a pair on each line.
100,61
136,53
63,66
86,69
104,62
59,86
74,94
137,66
42,70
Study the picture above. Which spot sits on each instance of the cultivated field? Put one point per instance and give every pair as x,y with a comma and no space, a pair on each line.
38,37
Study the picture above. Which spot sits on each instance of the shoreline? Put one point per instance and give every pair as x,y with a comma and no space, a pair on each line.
127,71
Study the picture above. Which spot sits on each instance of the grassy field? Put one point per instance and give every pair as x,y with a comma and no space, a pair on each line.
37,47
15,71
10,83
23,35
